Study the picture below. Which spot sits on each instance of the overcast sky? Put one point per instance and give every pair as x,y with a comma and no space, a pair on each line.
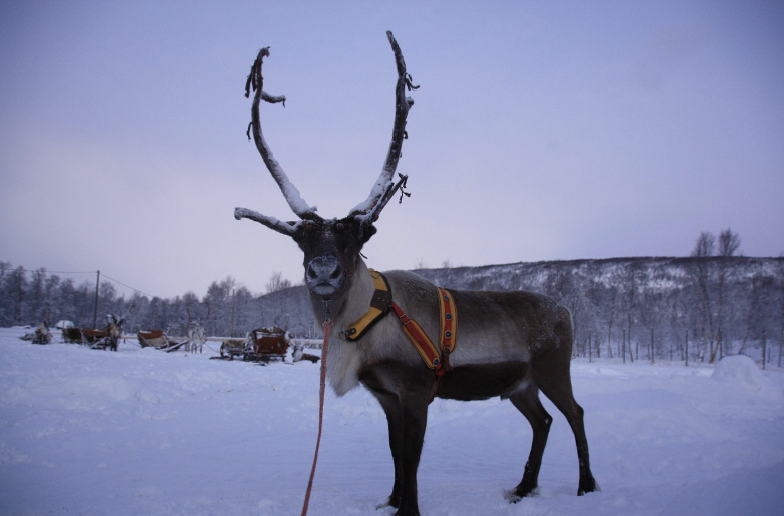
541,131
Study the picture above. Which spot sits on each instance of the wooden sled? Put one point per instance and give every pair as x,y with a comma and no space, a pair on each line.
261,345
159,340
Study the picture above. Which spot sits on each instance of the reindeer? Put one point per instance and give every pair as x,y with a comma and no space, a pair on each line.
509,344
42,334
299,354
114,330
197,335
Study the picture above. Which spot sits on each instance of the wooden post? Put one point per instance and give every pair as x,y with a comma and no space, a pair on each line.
231,329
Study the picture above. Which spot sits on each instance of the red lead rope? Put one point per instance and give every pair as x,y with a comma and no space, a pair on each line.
322,386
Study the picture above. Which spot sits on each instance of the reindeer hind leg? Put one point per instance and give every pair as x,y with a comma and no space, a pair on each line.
554,380
528,403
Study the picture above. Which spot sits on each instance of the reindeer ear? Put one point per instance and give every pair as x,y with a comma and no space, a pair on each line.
365,232
304,230
358,229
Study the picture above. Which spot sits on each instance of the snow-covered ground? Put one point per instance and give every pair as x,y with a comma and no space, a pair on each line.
142,432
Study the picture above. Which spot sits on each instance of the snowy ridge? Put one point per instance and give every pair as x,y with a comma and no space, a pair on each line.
636,295
655,274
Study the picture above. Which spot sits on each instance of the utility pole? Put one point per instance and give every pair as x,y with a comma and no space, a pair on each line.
95,311
231,329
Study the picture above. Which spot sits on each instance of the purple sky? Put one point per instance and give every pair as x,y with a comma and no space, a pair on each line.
542,130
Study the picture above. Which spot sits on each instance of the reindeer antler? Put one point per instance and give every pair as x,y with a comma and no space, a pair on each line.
206,316
188,309
385,188
287,228
255,81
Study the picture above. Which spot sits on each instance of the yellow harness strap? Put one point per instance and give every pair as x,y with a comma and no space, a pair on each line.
436,357
379,307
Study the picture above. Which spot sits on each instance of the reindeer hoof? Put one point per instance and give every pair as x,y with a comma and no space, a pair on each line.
408,512
384,505
392,501
588,486
518,493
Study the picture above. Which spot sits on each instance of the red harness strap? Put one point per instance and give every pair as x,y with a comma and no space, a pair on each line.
436,357
448,339
419,338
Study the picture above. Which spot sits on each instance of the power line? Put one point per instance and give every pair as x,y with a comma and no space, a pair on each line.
128,286
58,272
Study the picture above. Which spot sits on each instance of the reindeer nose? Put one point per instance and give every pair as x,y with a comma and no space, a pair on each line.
324,268
324,275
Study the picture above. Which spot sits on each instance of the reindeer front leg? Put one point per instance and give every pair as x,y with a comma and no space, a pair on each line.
404,394
415,423
393,410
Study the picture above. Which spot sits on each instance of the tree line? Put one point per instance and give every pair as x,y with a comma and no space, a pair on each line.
29,297
697,308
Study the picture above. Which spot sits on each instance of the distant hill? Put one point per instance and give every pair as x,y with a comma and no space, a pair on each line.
654,307
656,300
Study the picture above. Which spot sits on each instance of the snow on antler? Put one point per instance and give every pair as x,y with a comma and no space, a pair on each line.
384,187
382,191
290,192
287,228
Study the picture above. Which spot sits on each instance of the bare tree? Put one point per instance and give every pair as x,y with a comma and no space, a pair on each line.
35,295
781,306
17,283
729,243
704,248
713,261
277,282
4,268
631,279
220,296
613,296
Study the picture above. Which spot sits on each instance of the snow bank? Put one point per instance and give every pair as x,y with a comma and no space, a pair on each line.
742,370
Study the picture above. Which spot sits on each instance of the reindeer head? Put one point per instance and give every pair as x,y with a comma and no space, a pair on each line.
115,324
331,246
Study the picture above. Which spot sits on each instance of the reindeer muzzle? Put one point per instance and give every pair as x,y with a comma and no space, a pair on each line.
324,276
